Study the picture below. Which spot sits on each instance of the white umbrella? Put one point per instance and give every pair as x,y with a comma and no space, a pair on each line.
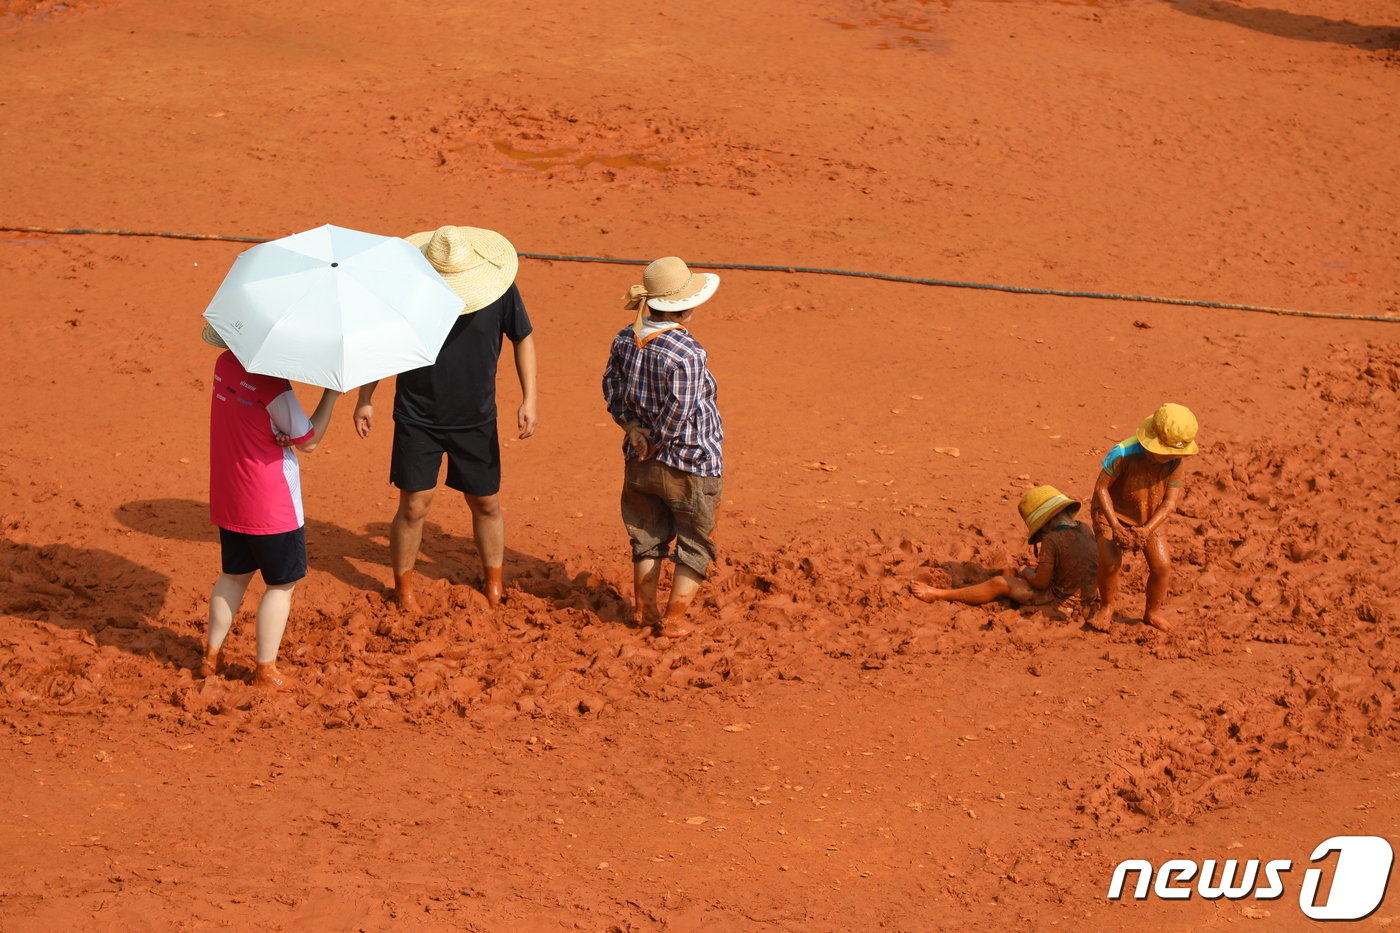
333,307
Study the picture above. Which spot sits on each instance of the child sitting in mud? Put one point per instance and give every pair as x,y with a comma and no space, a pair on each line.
1137,491
1066,551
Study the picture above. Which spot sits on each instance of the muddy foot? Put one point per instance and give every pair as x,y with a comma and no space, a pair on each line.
1160,622
403,591
673,628
925,592
268,677
495,589
211,664
1100,622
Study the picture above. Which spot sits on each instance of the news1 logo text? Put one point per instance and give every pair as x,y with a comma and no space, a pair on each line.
1359,874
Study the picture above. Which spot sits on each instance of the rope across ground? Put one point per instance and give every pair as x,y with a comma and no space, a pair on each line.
803,270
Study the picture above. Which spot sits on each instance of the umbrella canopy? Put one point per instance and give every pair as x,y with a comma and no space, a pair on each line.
333,307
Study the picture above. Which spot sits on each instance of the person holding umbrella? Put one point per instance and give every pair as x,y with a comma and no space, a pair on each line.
255,500
331,307
449,408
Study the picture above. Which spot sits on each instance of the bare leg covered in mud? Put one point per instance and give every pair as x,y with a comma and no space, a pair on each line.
1159,571
273,610
405,537
646,583
646,578
1015,588
489,529
224,601
1159,575
1109,578
685,583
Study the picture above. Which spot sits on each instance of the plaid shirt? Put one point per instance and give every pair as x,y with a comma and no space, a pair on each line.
666,387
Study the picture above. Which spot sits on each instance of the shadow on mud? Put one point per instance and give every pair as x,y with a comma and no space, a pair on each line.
339,551
110,597
1288,25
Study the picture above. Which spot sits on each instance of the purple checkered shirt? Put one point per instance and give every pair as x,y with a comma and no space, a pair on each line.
667,388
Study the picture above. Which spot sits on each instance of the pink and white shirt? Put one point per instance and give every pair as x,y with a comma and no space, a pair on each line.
254,484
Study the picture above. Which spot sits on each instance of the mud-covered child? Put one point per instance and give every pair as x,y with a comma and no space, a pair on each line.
1138,489
1066,559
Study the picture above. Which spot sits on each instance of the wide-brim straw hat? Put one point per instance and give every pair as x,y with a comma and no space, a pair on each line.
1169,431
1042,504
211,337
479,265
671,286
668,285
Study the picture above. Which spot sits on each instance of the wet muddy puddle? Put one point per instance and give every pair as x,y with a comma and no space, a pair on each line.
21,238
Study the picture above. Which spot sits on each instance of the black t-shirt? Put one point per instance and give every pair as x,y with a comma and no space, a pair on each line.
459,390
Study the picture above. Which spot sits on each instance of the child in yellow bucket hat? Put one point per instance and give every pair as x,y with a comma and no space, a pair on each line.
1137,491
1065,569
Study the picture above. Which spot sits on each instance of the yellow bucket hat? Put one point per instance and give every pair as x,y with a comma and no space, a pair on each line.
1170,431
1042,504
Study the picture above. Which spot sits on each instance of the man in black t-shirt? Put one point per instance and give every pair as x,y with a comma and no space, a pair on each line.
449,408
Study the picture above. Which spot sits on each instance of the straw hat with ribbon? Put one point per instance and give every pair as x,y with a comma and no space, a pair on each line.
668,285
1042,504
1169,431
211,337
478,264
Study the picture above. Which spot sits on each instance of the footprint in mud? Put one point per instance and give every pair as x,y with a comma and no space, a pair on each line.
736,588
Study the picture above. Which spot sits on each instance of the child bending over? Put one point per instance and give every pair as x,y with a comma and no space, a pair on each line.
1137,491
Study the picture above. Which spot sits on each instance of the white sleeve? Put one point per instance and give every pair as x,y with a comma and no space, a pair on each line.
289,418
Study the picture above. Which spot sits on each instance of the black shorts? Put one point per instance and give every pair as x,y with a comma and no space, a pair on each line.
280,557
473,458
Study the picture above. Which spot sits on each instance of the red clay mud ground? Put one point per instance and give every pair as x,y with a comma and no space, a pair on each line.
826,753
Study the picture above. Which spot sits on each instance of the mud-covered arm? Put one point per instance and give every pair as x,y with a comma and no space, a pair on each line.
1104,500
1044,571
1165,510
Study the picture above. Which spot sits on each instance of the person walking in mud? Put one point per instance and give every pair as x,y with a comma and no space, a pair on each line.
255,500
1067,559
1138,489
449,408
659,390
